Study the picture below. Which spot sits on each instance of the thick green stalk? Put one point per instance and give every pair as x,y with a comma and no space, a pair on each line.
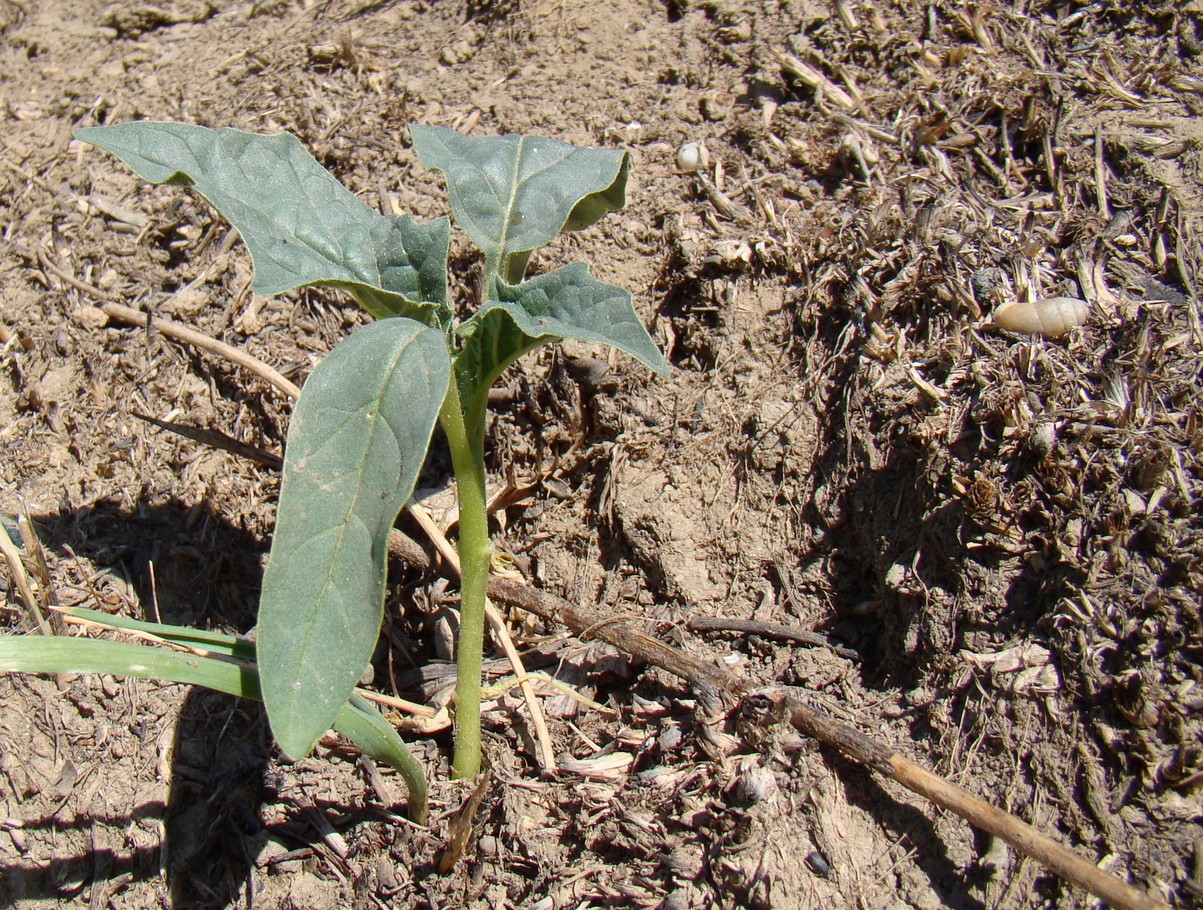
465,439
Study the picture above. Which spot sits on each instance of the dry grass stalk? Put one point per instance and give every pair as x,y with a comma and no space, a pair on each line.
20,578
41,570
198,339
873,754
171,329
815,80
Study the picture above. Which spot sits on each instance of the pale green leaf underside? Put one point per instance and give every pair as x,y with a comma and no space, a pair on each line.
566,303
512,194
68,654
356,443
301,225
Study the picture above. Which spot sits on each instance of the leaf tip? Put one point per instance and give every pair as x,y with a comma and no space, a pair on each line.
294,749
295,736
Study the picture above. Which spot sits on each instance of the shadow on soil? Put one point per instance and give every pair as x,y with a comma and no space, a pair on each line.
913,571
205,573
908,824
907,547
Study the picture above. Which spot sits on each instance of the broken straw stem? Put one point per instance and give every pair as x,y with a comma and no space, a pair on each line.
849,741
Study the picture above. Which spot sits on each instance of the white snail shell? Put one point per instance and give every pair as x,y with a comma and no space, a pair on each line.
1052,317
693,156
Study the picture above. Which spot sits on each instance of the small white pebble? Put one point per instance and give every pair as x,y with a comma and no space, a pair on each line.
693,156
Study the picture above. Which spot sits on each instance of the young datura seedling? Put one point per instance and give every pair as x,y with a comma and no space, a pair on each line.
361,428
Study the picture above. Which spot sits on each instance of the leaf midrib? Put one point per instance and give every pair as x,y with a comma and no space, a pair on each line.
351,512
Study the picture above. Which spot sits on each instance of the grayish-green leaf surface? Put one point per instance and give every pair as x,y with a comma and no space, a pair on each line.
512,194
566,303
356,443
301,225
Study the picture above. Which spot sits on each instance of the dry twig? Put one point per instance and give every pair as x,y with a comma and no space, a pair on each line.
813,79
850,742
122,313
769,630
216,440
198,339
878,756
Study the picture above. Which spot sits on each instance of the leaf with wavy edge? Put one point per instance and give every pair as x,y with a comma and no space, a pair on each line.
566,303
512,194
301,225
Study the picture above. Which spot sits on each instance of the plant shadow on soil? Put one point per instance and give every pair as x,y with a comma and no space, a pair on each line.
906,548
206,573
908,822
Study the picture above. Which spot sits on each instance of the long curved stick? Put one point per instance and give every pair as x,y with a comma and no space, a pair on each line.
878,756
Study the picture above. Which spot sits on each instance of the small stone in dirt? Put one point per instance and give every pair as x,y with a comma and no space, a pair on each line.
18,839
817,863
756,782
90,317
678,900
386,877
1041,440
273,848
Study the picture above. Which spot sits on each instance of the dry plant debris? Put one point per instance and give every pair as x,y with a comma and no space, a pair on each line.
1006,529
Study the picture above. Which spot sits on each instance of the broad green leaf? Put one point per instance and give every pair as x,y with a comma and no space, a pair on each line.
512,194
356,443
566,303
301,225
357,719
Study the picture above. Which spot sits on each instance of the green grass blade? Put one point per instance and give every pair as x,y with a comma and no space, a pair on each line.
69,654
217,642
357,719
365,726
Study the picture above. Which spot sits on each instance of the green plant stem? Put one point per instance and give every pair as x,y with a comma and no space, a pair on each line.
465,439
488,281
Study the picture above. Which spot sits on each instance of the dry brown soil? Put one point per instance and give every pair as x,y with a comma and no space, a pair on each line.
1005,530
